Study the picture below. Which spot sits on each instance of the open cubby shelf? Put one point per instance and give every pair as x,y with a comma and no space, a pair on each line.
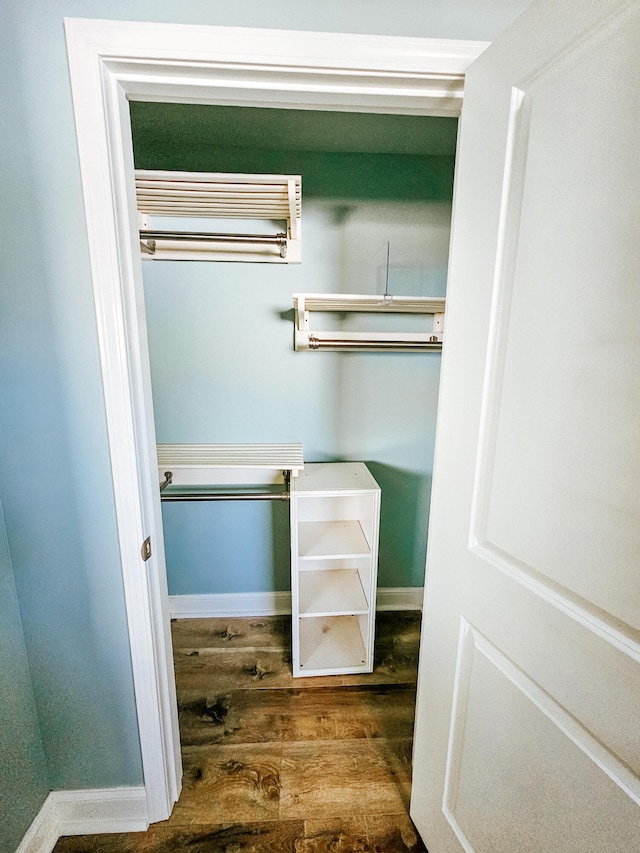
337,592
332,643
335,512
329,540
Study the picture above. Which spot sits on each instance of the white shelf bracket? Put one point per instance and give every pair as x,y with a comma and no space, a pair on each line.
302,316
332,341
212,196
294,221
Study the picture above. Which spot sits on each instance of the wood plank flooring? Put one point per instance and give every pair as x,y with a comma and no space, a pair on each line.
272,763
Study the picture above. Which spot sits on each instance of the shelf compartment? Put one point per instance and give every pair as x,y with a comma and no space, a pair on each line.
332,644
331,540
335,512
331,592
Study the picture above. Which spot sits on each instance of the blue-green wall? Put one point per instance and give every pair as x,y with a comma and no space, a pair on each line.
24,780
224,369
54,465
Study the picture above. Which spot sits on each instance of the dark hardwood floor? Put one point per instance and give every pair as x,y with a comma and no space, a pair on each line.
309,765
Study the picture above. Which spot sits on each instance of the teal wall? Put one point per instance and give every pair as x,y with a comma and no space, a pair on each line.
23,770
224,369
54,464
222,362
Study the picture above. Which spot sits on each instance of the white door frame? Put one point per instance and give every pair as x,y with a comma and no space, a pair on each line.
112,62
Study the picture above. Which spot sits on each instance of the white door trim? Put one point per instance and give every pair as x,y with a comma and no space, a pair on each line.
110,63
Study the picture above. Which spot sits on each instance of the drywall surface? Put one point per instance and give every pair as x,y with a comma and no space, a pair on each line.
24,782
54,460
224,370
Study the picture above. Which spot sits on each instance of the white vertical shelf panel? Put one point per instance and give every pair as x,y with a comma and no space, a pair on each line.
335,516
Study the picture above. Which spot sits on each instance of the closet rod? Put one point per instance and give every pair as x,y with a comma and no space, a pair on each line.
208,494
206,237
149,239
317,343
225,496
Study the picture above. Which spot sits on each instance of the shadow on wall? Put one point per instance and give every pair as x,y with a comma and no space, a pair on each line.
226,547
404,522
280,545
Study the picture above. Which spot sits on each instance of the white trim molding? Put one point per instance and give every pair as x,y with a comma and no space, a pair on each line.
44,831
86,812
399,598
275,603
111,63
230,604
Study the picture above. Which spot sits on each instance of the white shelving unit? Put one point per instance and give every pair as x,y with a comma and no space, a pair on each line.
335,518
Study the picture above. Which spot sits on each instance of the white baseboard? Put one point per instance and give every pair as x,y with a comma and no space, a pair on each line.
399,598
43,833
101,810
275,603
86,812
230,604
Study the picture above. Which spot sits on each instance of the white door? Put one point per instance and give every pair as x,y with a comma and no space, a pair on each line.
528,718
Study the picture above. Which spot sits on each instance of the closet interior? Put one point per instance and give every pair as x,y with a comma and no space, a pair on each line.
294,267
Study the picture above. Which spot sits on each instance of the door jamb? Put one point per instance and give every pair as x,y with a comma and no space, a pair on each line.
112,62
